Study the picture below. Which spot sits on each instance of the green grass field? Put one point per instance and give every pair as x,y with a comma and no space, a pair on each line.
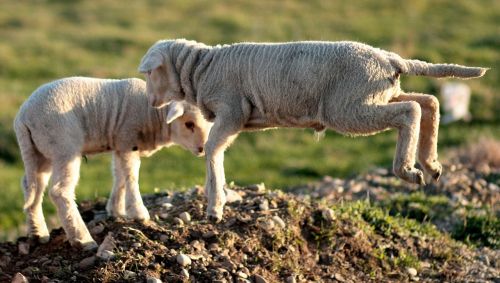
45,40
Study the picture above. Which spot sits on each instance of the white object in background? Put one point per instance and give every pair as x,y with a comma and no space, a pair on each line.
455,98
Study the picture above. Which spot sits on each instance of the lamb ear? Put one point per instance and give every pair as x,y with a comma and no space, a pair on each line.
175,110
150,61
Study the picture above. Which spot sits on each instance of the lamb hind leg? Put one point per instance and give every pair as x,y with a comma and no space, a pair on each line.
429,126
404,116
66,173
34,183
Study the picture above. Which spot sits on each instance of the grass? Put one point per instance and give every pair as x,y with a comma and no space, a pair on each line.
45,40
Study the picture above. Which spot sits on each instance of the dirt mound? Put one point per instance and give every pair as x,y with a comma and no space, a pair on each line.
369,228
266,236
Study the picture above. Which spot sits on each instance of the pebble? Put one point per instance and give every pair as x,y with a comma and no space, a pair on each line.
183,260
178,221
98,229
259,279
279,222
339,277
167,205
105,255
258,188
87,262
105,249
136,245
264,205
127,274
242,274
328,214
411,271
19,278
209,234
151,279
23,248
163,216
232,196
213,247
185,216
267,224
184,273
291,279
163,200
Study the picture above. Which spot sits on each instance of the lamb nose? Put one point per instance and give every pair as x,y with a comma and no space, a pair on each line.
200,149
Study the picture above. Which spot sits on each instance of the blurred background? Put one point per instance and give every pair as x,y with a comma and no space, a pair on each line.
44,40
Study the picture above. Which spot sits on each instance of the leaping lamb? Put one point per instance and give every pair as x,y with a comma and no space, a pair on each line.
71,117
349,87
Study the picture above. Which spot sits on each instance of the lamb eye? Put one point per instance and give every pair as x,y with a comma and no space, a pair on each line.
189,125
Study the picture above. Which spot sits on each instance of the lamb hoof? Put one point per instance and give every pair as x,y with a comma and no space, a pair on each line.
411,175
433,168
90,246
87,246
42,239
139,214
419,178
214,215
214,219
436,176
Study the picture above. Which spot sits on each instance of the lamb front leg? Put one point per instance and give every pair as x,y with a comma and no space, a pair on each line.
116,202
130,162
223,132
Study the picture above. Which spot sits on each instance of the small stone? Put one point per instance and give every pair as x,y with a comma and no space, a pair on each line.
23,248
183,260
259,188
264,205
339,277
105,249
163,216
259,279
291,279
98,229
106,255
127,274
136,245
411,271
87,262
267,224
209,234
328,214
163,200
213,247
197,191
185,216
232,196
164,238
184,273
19,278
167,205
178,221
151,279
279,222
242,274
100,216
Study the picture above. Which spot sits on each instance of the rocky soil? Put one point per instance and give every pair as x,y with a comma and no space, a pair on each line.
369,228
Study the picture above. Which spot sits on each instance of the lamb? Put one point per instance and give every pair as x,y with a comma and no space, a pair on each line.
71,117
349,87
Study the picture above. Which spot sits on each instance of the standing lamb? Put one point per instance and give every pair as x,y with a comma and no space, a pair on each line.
349,87
68,118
